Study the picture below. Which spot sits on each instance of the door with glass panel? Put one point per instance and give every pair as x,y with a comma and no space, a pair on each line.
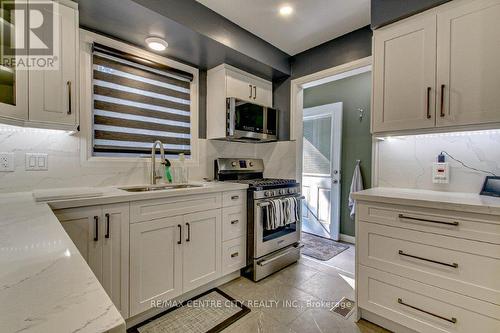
13,81
321,170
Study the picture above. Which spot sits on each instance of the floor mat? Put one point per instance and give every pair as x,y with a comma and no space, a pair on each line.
209,312
321,248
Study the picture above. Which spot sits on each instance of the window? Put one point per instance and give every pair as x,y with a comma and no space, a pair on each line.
136,102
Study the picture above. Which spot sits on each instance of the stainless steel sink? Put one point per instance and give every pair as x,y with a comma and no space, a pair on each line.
149,188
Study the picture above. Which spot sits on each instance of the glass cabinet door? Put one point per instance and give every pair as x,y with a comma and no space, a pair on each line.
13,82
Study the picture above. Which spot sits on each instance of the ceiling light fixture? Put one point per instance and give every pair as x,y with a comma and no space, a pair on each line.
156,44
286,10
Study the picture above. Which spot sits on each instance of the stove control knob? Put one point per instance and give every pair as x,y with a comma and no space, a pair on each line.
234,164
281,191
267,194
250,164
291,191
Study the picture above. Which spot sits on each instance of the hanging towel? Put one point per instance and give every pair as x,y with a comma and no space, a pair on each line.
281,212
356,186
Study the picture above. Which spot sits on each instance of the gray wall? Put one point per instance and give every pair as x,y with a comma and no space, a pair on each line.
387,11
352,46
354,92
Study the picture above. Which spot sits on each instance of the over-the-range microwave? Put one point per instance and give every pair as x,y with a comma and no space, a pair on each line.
248,122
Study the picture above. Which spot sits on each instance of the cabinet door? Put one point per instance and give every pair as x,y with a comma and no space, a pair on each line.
13,82
404,75
115,239
263,93
84,226
202,249
468,62
53,93
155,262
249,89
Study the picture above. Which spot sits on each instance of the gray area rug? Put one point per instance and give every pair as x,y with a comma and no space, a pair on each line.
321,248
209,312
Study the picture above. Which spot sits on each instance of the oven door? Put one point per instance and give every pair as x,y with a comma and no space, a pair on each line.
267,241
250,122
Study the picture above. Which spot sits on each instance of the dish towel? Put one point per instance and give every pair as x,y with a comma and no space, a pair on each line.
356,186
281,212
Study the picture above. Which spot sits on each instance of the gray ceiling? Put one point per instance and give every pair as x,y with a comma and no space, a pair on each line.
196,35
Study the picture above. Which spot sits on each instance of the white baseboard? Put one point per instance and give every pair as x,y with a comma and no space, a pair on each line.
347,239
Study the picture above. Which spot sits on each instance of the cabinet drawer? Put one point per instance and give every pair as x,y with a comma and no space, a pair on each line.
147,210
234,198
234,222
233,255
422,307
479,227
431,259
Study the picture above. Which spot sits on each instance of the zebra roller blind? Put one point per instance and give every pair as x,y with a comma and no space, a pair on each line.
137,102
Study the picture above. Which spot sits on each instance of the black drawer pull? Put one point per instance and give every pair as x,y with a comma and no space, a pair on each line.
180,234
453,320
188,239
96,230
402,216
235,197
234,255
454,265
235,221
107,225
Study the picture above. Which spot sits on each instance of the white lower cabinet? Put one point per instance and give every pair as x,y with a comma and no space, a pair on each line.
155,262
101,235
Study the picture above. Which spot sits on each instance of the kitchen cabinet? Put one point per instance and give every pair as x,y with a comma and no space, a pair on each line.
155,262
225,81
45,98
437,70
202,249
53,94
101,235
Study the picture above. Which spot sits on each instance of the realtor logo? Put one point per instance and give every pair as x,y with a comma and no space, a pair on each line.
30,34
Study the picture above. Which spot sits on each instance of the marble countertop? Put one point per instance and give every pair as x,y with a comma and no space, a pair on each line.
469,202
45,284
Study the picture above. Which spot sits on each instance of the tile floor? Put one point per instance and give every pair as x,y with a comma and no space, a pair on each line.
304,293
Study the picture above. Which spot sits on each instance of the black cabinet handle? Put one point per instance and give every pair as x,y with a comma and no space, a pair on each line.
188,239
454,265
234,255
442,114
250,91
235,221
429,102
235,197
96,230
453,320
254,92
402,216
180,234
69,98
107,225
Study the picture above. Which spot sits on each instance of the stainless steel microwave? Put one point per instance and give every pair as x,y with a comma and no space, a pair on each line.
248,122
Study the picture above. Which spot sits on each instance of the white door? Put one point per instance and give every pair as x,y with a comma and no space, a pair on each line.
404,75
53,92
155,262
202,248
115,239
84,226
321,170
468,63
13,82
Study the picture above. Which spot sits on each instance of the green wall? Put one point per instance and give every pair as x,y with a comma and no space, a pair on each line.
354,92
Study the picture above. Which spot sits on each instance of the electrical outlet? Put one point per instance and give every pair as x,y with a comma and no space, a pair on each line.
6,162
37,162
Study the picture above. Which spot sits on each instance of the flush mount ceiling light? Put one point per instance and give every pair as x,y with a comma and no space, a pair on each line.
286,10
156,44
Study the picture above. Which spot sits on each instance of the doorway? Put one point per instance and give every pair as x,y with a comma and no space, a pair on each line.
322,145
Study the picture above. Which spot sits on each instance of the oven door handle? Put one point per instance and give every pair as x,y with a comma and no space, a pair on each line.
267,262
267,203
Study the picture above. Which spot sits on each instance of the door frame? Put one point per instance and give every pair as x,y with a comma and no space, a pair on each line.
335,110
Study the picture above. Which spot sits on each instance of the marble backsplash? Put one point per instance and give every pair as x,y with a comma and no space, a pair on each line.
407,161
67,169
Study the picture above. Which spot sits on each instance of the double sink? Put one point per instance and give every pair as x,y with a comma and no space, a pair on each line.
150,188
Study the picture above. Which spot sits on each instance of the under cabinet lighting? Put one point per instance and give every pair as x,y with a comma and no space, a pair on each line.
156,44
439,135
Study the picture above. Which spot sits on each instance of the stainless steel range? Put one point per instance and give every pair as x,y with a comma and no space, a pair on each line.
268,249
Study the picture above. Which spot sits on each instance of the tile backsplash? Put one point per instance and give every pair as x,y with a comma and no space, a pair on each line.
407,161
66,168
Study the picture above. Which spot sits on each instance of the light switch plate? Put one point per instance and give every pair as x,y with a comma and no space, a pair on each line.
6,162
37,162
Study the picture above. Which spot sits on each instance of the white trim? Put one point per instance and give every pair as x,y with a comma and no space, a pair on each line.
86,100
347,239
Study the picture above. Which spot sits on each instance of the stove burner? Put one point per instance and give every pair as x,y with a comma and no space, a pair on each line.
266,182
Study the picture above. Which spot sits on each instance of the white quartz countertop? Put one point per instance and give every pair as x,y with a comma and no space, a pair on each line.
45,284
469,202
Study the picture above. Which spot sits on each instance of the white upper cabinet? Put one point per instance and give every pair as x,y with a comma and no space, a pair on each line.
53,94
405,75
468,56
44,98
439,70
249,88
